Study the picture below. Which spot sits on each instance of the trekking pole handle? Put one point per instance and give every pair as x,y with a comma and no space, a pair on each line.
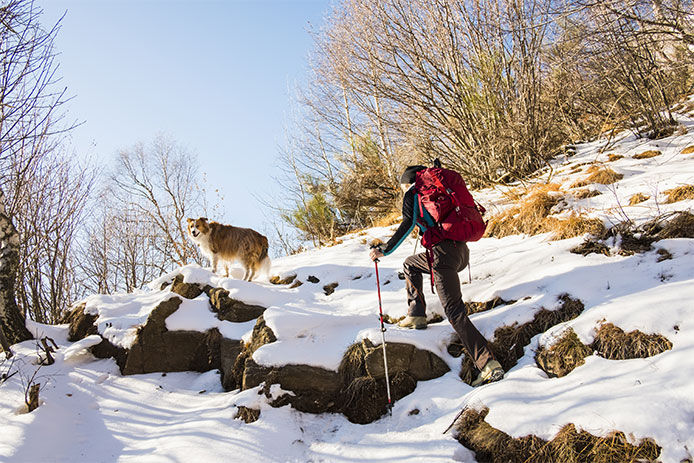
376,246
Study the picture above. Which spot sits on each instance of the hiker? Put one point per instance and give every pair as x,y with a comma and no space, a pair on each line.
442,261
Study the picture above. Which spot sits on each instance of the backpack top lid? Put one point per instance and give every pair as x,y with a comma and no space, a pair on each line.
410,174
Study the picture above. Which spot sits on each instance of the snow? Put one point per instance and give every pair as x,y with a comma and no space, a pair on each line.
89,412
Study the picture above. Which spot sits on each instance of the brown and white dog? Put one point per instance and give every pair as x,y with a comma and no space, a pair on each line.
228,243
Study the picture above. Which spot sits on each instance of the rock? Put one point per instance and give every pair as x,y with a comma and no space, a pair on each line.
230,350
276,280
296,284
314,388
422,365
187,290
231,309
81,324
426,365
329,289
105,349
158,349
312,279
262,334
399,358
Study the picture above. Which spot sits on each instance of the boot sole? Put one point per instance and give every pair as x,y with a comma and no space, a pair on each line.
495,376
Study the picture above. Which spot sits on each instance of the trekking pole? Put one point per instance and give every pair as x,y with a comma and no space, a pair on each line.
383,339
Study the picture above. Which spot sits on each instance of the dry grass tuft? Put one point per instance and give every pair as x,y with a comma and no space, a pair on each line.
682,226
598,174
604,176
647,154
568,446
248,415
563,356
590,246
680,193
638,198
688,150
585,193
574,225
611,342
352,365
531,218
510,341
388,220
476,307
614,157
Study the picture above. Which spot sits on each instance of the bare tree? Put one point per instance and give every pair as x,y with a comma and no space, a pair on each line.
139,229
12,322
28,115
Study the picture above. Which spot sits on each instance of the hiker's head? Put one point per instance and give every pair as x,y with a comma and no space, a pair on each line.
409,176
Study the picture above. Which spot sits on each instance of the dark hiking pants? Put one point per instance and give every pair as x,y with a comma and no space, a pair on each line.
448,258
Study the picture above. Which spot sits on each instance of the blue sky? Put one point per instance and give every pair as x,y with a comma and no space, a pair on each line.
213,75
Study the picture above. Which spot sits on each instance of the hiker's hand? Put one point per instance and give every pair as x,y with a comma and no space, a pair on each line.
375,254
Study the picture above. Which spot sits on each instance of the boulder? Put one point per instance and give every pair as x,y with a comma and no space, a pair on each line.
422,365
229,351
230,309
81,324
158,349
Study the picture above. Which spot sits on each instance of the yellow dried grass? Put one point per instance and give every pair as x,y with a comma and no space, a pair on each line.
680,193
528,216
638,198
647,154
614,157
688,150
388,220
585,193
601,175
567,446
574,225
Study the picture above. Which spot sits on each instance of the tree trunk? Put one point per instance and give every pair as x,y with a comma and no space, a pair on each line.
11,320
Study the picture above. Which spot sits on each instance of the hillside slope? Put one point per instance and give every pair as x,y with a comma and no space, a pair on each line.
90,412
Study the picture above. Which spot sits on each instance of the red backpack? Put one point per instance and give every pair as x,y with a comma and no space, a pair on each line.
442,192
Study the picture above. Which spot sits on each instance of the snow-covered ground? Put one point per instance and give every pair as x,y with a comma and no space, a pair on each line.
89,412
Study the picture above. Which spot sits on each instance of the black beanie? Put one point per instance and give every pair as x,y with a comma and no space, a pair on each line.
410,174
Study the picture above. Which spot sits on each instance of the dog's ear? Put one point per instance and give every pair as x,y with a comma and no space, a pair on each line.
205,219
189,220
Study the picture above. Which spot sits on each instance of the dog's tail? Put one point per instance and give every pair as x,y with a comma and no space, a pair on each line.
265,262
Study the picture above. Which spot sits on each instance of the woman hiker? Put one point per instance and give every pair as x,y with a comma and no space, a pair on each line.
448,258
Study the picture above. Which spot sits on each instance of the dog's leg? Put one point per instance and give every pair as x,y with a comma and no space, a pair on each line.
226,269
215,260
252,274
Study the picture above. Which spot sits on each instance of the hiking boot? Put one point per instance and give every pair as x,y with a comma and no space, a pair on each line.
491,372
417,323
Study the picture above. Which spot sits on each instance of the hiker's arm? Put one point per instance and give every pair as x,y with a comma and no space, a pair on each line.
408,222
